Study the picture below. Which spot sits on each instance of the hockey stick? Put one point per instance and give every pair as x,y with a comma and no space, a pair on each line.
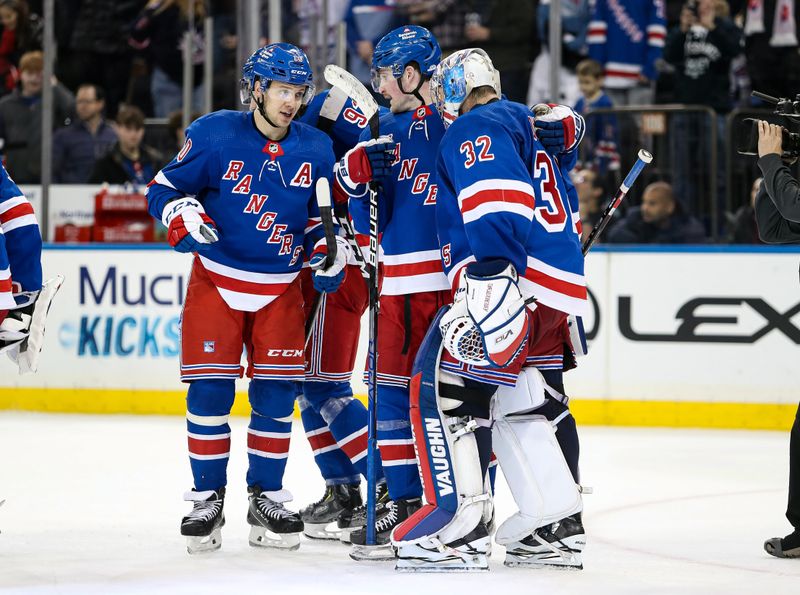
576,329
643,159
323,193
343,80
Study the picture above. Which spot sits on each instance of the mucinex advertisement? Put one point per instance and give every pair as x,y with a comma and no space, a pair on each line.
705,326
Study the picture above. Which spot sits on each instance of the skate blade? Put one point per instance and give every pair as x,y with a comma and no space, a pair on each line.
322,531
262,537
568,562
205,543
372,553
479,563
412,557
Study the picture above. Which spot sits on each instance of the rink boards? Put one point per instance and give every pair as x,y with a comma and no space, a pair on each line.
696,336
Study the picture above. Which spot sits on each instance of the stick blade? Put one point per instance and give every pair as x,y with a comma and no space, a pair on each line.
323,191
338,77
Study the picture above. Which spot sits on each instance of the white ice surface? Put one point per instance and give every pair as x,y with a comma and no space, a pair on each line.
93,505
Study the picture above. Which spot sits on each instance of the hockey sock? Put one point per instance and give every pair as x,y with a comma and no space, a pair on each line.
208,404
334,465
272,403
345,416
396,444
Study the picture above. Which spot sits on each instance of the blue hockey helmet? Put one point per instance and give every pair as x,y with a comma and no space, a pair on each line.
398,48
282,62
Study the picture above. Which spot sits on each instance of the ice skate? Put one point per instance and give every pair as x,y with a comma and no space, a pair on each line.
271,524
351,520
394,514
788,547
320,519
469,554
202,526
557,545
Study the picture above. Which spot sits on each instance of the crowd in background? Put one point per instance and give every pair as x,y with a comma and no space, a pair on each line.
121,61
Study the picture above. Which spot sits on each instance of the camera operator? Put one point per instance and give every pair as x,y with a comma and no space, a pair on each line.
778,200
778,219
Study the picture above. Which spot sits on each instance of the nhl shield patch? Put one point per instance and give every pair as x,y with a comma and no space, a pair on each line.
208,347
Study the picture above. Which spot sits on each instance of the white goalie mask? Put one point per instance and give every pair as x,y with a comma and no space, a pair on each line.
457,75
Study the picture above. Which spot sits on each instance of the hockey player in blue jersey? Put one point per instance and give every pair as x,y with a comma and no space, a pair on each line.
335,423
240,195
414,286
513,256
24,302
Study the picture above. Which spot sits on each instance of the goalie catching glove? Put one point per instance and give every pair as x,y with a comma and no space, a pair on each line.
327,279
488,322
22,328
189,229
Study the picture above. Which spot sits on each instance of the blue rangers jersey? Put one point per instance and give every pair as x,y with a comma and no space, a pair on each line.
501,196
20,243
409,245
627,37
260,195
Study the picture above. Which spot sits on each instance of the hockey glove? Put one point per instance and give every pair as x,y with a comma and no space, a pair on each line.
558,128
497,310
22,329
189,229
328,280
368,161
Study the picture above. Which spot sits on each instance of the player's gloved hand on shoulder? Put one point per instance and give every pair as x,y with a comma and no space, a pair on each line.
327,279
189,229
558,127
369,160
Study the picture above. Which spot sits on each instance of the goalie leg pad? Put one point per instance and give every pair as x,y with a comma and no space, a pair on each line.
447,533
533,464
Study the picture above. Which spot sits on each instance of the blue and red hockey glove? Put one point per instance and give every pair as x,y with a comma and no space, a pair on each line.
189,229
368,161
558,128
328,279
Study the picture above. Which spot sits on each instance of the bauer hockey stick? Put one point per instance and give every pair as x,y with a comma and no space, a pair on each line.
323,192
643,159
341,79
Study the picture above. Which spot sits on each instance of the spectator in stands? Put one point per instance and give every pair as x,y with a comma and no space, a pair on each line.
743,228
659,220
600,141
627,37
503,29
590,193
98,51
22,32
445,18
162,29
176,131
21,119
128,160
701,48
367,21
79,145
575,17
771,31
